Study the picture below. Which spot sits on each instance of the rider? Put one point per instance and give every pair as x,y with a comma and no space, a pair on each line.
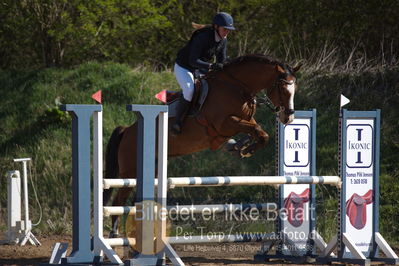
205,43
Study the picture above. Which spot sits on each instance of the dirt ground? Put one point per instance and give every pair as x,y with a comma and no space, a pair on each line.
192,254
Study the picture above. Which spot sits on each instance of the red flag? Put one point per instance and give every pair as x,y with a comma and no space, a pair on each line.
161,96
97,96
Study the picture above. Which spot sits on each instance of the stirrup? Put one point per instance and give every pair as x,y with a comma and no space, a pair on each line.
176,128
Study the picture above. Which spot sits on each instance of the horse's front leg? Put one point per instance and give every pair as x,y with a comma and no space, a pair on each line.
236,125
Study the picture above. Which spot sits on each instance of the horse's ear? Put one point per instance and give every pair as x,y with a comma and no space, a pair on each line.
280,69
296,69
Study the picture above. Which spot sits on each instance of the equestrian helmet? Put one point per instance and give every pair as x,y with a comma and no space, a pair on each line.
224,20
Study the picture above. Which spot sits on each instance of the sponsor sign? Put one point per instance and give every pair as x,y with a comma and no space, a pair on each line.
296,156
359,178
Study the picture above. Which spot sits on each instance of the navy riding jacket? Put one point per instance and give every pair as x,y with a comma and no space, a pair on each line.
200,50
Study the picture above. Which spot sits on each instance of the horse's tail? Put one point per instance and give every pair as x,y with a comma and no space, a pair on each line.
111,159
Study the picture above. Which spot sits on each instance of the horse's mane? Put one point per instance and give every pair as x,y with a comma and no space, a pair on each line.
258,58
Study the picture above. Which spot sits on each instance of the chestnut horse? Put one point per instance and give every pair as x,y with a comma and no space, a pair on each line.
228,110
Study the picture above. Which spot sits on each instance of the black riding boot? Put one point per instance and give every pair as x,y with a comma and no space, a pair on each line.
182,110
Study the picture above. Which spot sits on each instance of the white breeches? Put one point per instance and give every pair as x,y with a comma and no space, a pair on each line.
186,81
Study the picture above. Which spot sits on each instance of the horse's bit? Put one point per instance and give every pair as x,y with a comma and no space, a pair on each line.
266,100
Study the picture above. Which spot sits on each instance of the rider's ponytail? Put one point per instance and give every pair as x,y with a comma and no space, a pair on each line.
197,26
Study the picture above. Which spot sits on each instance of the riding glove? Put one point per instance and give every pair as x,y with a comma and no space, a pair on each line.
216,66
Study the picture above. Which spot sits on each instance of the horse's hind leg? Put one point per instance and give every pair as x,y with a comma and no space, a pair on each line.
120,200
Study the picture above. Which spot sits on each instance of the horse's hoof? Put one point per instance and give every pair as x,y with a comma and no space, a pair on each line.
243,143
230,145
244,154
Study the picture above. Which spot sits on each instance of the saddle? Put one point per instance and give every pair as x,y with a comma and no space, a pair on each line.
171,98
294,206
201,90
356,209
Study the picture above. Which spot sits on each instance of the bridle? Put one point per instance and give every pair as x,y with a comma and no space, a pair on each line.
278,84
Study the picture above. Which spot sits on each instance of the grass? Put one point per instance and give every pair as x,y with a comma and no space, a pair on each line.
32,126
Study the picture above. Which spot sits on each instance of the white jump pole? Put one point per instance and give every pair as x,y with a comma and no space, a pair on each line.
208,208
121,182
251,180
162,240
100,244
124,241
230,181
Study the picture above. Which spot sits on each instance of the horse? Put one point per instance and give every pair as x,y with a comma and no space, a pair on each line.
228,110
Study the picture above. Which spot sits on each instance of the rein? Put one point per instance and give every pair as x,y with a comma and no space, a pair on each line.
265,99
242,88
